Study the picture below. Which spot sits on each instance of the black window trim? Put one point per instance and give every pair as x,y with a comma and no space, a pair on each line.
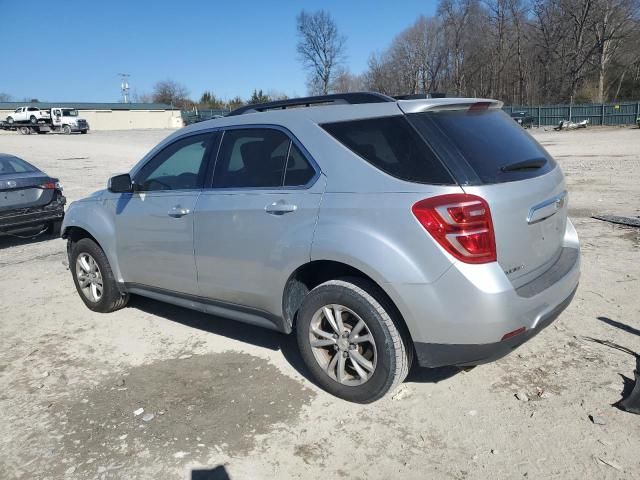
154,153
292,139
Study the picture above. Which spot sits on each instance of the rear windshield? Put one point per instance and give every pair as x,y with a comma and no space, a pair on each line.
11,165
393,146
487,145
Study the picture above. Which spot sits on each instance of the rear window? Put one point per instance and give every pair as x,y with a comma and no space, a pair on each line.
392,145
12,165
488,145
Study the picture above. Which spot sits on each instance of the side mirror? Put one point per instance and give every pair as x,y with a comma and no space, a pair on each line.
120,184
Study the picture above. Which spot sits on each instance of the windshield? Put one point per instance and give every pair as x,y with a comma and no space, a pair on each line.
10,165
67,112
487,145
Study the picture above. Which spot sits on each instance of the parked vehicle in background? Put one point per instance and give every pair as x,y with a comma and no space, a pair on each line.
28,114
55,120
30,200
523,119
378,230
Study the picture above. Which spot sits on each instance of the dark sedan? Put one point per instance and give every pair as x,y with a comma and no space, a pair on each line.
30,201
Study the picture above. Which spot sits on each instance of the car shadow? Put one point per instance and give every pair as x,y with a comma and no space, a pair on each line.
8,241
262,337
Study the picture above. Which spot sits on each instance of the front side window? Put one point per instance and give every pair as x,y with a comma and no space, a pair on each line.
254,157
180,166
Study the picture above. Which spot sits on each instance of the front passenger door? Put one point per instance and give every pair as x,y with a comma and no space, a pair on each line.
154,225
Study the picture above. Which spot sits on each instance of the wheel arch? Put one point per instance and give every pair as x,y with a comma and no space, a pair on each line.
311,274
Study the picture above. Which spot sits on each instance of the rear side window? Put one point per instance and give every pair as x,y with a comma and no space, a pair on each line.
392,145
488,142
299,171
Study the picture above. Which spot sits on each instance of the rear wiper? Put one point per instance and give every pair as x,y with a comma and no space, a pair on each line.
532,164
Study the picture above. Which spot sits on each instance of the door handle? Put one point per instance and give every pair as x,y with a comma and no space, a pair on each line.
280,208
178,211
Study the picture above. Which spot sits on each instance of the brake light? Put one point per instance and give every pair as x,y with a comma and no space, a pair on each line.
461,224
48,186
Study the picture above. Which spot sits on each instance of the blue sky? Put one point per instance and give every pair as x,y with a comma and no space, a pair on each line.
73,50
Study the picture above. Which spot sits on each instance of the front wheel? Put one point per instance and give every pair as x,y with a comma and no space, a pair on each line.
33,119
83,132
351,340
66,129
10,120
93,277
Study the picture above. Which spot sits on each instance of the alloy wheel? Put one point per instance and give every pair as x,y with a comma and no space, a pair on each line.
343,345
89,277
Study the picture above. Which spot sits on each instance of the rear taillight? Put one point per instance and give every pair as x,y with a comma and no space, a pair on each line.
461,224
51,186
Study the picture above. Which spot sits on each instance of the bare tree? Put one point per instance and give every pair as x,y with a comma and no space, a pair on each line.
171,93
321,49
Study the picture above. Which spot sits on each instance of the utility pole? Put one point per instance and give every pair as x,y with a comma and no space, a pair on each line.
124,86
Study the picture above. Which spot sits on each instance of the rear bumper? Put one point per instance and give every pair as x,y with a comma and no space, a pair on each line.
462,317
16,220
438,354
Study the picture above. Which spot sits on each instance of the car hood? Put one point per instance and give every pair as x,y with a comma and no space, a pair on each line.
94,197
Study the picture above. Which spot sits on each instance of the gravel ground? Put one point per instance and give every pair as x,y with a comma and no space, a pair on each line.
220,396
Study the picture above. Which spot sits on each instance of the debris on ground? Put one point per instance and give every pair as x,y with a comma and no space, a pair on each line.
522,396
628,221
147,417
402,392
610,463
569,125
597,419
139,411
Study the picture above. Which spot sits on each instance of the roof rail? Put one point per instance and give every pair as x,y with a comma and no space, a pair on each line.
334,99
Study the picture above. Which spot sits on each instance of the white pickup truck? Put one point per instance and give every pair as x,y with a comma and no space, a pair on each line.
27,120
28,114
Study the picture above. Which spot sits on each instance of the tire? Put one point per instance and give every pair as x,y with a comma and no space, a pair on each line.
66,129
83,132
360,300
10,120
111,298
33,119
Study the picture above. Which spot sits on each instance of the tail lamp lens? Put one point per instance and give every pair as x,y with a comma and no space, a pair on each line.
461,223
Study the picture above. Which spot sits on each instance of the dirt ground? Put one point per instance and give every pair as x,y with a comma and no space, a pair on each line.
222,398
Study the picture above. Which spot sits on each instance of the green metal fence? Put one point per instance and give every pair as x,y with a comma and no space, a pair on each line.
623,113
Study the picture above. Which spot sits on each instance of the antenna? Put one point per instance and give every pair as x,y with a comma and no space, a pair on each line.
124,87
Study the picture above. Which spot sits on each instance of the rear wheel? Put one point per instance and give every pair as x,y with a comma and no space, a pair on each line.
93,277
83,132
349,341
66,129
33,119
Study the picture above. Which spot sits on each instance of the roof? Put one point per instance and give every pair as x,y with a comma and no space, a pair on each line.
88,105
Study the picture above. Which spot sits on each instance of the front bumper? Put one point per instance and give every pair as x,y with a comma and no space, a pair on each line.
17,220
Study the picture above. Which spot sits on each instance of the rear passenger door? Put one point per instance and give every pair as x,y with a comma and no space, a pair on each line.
255,223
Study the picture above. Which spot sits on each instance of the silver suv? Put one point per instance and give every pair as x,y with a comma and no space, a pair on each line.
379,230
